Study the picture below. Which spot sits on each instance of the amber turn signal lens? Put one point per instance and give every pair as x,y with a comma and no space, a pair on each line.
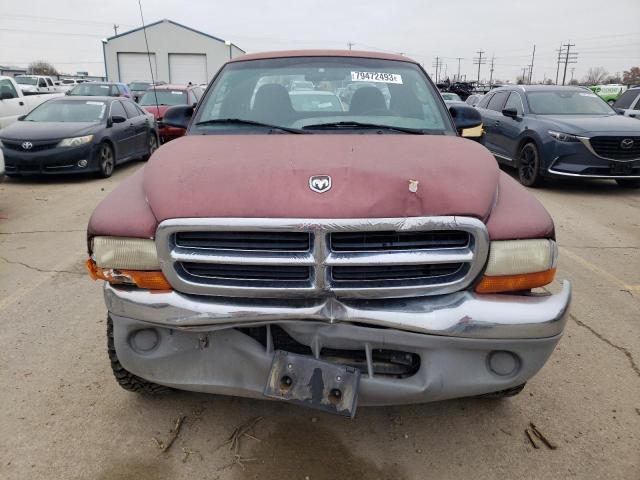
514,283
150,280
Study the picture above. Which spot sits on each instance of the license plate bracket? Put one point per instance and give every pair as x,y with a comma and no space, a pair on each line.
313,383
621,168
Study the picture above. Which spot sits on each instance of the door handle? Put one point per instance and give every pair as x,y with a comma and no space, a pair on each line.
21,103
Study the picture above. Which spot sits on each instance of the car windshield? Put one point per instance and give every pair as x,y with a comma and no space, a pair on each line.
451,97
164,97
340,93
91,89
68,111
563,102
26,80
139,85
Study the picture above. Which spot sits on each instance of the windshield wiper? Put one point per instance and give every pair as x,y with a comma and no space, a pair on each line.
225,121
352,124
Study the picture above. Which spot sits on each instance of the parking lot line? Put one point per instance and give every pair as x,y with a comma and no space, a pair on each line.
598,271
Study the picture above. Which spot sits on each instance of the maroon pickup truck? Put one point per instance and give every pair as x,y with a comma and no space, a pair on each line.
326,253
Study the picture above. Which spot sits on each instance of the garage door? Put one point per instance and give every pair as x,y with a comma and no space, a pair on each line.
135,67
187,67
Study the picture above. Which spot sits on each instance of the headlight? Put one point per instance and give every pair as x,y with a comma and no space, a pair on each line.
125,253
564,137
75,141
519,265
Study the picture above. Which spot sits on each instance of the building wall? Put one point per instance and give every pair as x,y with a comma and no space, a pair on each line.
165,38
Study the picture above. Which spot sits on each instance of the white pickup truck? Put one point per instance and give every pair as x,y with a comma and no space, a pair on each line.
34,84
13,103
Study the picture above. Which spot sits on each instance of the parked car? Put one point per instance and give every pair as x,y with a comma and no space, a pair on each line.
78,135
474,99
1,166
450,97
13,103
629,103
101,89
35,84
138,89
315,101
550,131
157,100
67,84
609,93
325,258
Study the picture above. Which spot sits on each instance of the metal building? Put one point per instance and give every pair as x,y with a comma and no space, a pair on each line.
177,54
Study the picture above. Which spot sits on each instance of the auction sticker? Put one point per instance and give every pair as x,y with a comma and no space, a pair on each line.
383,77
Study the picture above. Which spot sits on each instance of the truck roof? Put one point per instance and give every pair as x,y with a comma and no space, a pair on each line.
322,53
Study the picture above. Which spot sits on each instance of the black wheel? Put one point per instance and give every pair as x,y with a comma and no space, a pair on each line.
628,182
106,160
529,166
152,145
509,392
126,379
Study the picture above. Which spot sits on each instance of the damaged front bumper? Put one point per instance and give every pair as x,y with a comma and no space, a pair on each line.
455,345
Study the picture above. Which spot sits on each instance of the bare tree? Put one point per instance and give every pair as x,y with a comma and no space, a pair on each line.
631,76
595,75
41,67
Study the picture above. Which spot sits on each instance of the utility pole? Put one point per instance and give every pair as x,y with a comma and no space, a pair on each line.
524,74
479,61
115,29
533,55
568,58
493,57
350,44
458,75
558,67
437,64
573,69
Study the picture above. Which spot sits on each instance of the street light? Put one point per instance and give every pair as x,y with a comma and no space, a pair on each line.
227,42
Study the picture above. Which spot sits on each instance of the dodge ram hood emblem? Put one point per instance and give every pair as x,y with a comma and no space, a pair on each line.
320,183
27,145
626,143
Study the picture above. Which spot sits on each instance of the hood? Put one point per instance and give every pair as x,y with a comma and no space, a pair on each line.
581,124
46,130
156,111
27,88
264,176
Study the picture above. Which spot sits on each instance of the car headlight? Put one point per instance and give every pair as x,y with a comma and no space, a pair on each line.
126,261
75,141
564,137
519,265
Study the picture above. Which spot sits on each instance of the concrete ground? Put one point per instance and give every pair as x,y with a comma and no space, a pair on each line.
63,415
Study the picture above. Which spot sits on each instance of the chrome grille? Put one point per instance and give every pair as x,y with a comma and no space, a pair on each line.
610,147
347,258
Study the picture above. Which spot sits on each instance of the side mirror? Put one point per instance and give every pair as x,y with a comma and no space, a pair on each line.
466,118
510,112
21,118
118,119
619,111
68,92
178,116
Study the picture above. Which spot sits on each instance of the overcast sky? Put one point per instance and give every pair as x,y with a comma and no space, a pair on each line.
606,33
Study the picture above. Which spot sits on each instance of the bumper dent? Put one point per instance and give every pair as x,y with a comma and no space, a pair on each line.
462,314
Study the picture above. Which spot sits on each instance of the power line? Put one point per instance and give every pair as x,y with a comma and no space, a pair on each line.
479,61
438,65
568,58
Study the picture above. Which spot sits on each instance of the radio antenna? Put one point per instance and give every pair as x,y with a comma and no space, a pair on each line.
153,81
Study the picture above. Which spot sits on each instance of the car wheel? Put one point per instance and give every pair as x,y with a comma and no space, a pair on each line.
106,160
152,145
628,182
529,166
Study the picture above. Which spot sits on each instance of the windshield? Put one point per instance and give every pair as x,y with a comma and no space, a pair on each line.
164,97
343,93
139,85
563,102
451,97
91,89
68,111
26,80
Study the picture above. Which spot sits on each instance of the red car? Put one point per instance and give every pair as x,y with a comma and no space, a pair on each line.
158,99
326,254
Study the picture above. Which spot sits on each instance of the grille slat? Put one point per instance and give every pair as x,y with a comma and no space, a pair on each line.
611,147
259,241
247,272
393,272
375,241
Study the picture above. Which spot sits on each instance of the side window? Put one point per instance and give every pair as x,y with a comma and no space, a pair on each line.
7,89
497,101
626,99
140,111
49,82
42,83
197,92
514,101
485,101
131,110
637,107
117,109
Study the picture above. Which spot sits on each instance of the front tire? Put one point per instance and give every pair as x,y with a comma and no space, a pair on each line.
529,166
628,182
106,160
126,379
152,145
